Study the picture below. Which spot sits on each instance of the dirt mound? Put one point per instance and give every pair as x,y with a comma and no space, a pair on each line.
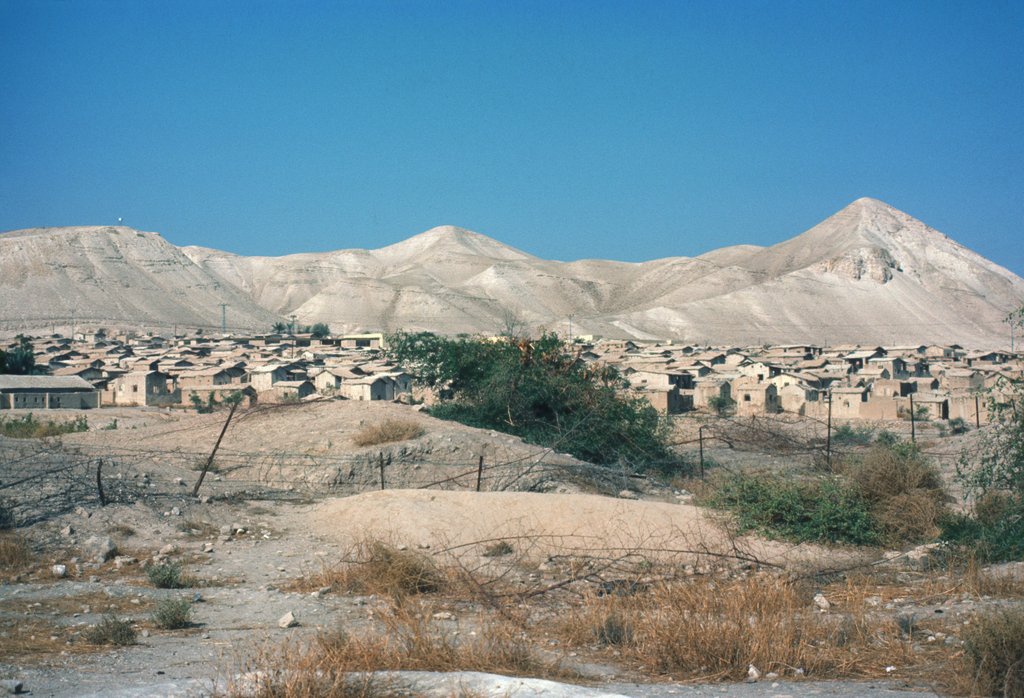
543,525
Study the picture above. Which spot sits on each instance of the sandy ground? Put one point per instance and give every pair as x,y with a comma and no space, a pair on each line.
545,525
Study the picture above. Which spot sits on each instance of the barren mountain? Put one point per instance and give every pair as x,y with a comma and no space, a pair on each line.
870,273
111,276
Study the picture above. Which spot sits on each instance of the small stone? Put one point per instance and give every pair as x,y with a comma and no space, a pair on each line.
144,633
753,674
67,531
179,481
287,620
821,602
237,528
207,547
175,511
169,549
59,571
83,512
627,494
225,530
444,615
196,597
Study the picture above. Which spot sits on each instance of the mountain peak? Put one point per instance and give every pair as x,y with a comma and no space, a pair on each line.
450,239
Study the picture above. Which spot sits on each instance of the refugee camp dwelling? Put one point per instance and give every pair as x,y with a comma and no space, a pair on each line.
668,400
373,387
961,379
214,394
204,377
288,391
755,397
328,380
931,406
707,389
794,397
47,393
141,388
264,377
846,401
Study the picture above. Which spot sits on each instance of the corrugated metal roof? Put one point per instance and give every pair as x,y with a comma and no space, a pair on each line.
8,382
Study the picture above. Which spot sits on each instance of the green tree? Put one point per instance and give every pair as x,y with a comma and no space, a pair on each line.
320,330
279,328
20,359
536,389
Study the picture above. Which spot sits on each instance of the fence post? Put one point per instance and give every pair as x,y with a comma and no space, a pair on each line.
99,482
977,412
380,456
213,453
700,437
479,473
913,421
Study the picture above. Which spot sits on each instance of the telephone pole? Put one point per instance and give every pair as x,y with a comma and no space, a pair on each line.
224,318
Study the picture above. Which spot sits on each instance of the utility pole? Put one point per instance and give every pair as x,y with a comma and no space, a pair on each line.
828,437
224,318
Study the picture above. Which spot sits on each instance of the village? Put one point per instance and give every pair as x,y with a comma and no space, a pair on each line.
875,383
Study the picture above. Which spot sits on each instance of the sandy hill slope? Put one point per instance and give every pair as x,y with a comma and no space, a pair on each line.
869,273
111,275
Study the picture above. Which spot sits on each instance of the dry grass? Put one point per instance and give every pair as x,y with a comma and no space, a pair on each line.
335,665
15,553
388,431
714,630
994,654
378,568
905,490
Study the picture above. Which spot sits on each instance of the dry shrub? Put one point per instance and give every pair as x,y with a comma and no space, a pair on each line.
994,654
379,568
386,432
905,490
336,665
111,631
15,554
713,630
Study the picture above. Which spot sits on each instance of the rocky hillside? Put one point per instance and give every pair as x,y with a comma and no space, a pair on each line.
111,276
870,273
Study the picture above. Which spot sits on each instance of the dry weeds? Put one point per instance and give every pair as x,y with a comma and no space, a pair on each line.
15,553
336,664
388,431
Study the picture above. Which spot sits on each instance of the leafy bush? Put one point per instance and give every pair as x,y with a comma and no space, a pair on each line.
853,436
111,631
826,510
993,474
28,427
722,406
388,431
168,575
539,391
994,533
172,614
958,425
994,653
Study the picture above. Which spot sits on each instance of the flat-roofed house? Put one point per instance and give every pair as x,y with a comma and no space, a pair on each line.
47,393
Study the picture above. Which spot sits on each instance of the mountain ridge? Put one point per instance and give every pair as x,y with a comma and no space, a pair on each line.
868,273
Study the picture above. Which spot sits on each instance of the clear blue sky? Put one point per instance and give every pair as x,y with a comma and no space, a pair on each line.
629,130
